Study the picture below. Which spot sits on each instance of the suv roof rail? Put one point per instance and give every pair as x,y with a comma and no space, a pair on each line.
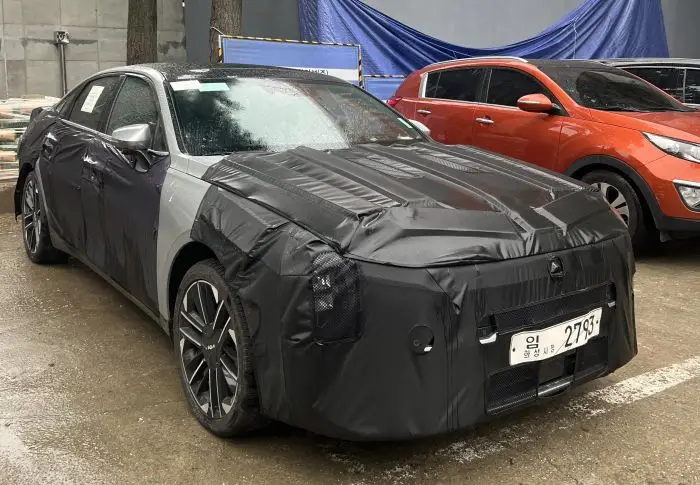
480,58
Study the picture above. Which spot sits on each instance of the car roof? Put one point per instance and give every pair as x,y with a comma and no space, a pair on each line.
514,61
179,72
662,61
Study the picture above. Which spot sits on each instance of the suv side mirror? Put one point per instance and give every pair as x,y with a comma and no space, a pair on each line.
133,137
421,127
536,103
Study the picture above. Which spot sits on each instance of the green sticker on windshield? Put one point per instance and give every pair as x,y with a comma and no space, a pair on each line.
207,87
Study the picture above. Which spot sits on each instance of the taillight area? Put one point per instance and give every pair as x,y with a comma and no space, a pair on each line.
393,101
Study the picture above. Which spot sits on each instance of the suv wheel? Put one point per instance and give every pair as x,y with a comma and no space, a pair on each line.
211,344
623,199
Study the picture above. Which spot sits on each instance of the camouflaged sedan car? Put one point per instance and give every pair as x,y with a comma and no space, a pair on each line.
318,260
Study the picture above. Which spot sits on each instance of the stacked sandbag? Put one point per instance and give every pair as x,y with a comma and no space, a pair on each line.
14,118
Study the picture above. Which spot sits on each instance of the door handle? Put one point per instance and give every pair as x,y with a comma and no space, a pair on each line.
485,121
424,112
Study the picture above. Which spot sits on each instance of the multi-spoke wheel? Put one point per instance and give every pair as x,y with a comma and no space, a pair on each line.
616,200
35,231
31,215
211,344
623,199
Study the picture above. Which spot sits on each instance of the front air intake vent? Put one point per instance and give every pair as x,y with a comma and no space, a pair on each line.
335,283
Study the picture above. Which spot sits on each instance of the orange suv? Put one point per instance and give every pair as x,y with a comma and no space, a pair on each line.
597,123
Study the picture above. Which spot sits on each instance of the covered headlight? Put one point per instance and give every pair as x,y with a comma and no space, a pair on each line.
677,148
690,193
335,284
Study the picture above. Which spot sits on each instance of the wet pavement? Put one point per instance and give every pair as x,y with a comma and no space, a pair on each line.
89,395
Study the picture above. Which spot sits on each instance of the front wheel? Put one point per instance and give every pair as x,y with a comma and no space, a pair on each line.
35,229
211,343
623,199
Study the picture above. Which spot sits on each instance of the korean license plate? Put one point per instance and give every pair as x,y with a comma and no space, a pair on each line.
555,340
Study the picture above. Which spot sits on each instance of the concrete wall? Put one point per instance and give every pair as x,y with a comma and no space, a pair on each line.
29,60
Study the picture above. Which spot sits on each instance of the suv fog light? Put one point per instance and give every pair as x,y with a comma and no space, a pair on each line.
690,195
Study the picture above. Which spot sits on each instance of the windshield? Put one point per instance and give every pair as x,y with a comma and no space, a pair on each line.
610,89
249,114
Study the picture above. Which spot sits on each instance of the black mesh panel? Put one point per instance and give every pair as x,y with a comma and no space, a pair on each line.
335,285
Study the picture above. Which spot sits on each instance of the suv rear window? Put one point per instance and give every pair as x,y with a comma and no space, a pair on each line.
455,84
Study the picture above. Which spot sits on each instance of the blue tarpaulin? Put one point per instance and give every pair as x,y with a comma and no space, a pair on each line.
596,29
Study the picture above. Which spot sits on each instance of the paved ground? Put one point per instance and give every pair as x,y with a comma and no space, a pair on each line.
89,395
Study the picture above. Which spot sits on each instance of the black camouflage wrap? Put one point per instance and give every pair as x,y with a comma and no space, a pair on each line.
367,277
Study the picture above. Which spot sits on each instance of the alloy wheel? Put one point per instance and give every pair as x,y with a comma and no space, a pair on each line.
208,349
616,200
31,215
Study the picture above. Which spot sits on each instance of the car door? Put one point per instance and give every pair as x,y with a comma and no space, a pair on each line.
124,230
63,153
500,126
692,86
670,79
447,106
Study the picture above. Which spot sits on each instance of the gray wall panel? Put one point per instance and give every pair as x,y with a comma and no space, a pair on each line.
681,18
271,18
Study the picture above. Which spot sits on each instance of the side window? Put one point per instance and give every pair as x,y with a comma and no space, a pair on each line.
507,86
94,99
135,104
667,78
455,84
692,86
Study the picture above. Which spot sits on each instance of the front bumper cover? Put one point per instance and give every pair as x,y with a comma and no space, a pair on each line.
379,387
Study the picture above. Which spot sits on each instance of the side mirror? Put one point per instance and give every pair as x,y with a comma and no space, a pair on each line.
421,127
536,103
133,137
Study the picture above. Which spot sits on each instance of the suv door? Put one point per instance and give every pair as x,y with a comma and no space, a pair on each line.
64,150
130,194
446,104
501,127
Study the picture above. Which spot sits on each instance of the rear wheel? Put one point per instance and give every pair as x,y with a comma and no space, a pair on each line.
35,229
212,348
623,199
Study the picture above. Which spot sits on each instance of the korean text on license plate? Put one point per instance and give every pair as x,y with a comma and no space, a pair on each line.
557,339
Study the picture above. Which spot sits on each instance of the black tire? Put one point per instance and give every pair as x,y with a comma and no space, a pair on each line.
638,221
219,355
35,228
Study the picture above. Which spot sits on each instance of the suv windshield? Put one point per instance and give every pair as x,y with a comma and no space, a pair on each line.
251,114
611,89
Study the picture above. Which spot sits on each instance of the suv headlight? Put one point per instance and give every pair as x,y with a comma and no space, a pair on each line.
681,149
690,193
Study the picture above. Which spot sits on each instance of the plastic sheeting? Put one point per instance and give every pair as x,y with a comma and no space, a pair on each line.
367,277
596,29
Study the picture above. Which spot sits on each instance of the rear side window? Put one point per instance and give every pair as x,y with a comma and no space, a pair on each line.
692,86
94,99
667,78
507,86
455,84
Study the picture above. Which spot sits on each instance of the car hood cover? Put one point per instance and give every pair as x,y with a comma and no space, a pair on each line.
421,204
